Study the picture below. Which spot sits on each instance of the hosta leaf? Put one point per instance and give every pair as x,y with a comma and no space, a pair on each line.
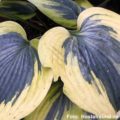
56,106
23,81
17,10
63,12
87,60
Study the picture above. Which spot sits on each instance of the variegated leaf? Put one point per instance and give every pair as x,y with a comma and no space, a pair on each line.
87,60
23,81
56,106
63,12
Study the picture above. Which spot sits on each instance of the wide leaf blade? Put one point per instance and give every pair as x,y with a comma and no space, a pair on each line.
23,81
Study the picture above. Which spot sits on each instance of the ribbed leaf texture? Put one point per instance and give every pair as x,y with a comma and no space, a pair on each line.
87,60
17,10
56,106
23,81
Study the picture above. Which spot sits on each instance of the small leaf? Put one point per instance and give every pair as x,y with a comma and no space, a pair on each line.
63,12
17,10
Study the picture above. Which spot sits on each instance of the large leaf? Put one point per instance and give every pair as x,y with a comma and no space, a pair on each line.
23,81
88,60
63,12
17,10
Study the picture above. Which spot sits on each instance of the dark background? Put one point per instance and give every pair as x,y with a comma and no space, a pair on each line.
110,4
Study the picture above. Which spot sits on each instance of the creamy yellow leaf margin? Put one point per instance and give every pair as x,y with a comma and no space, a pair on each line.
51,54
32,95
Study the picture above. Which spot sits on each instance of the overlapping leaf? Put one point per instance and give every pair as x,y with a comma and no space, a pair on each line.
87,60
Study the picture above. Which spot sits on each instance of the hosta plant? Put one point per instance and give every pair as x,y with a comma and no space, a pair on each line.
85,55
